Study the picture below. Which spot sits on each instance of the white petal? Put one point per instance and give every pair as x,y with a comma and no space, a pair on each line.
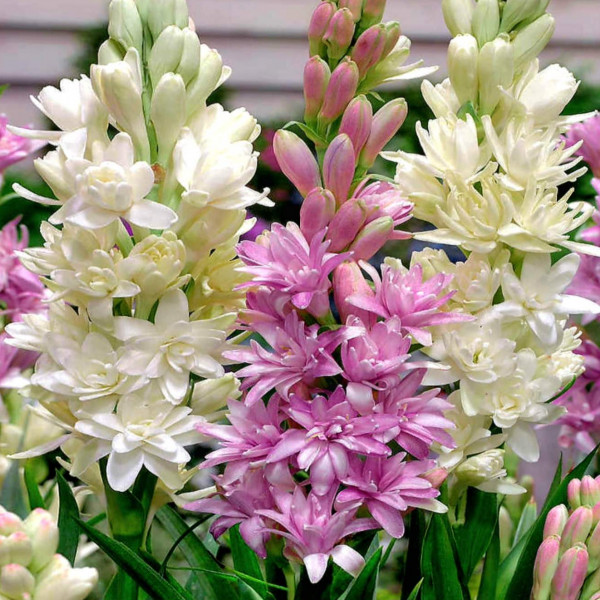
348,559
316,565
123,469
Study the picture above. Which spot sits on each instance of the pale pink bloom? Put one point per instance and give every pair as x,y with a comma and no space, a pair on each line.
284,260
313,534
299,354
265,307
14,148
589,132
12,364
403,293
591,353
592,234
586,282
389,487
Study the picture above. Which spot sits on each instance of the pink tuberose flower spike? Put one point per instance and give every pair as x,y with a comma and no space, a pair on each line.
296,161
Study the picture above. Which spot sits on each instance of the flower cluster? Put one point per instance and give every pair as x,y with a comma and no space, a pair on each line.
29,565
139,256
333,433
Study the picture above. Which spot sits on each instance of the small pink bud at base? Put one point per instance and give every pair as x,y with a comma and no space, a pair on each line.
340,91
573,493
316,212
556,520
372,238
316,79
372,12
296,161
577,528
354,6
356,123
318,27
590,491
339,34
346,224
386,124
570,574
349,280
368,50
338,167
546,562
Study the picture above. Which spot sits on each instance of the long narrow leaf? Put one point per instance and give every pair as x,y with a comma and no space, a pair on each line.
68,515
365,585
416,534
246,561
11,495
415,593
33,490
489,578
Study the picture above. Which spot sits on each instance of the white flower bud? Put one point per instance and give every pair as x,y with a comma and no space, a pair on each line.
15,548
478,469
16,582
519,11
164,13
458,15
531,40
110,52
168,112
212,74
59,581
486,21
9,523
189,64
211,395
43,533
125,25
463,56
496,70
166,53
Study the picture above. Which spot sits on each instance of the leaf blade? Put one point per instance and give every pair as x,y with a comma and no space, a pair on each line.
68,515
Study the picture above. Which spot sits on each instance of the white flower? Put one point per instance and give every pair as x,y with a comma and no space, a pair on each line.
211,395
486,472
441,98
173,346
143,432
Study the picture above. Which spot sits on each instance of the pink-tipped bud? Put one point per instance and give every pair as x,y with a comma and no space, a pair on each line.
386,124
589,492
368,50
393,32
596,512
316,212
316,79
340,91
593,546
346,224
570,574
339,34
354,6
573,493
372,238
296,161
319,23
339,165
546,562
556,520
372,12
577,528
348,280
436,477
356,123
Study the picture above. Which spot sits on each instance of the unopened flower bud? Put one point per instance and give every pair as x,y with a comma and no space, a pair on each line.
166,53
463,58
168,113
189,63
296,161
316,79
531,40
517,11
573,493
496,71
458,15
318,27
596,512
16,548
316,212
167,12
339,34
593,546
125,25
212,75
60,580
16,582
577,528
109,52
486,21
346,224
9,523
354,6
393,32
338,167
556,520
43,533
348,280
340,91
211,395
369,47
372,238
589,491
372,12
386,123
356,123
570,574
546,562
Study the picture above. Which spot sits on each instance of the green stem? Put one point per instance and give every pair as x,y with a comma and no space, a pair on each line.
290,580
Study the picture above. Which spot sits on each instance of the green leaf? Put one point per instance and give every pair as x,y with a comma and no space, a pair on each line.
365,585
33,490
246,561
440,563
127,560
489,577
528,518
11,496
474,537
515,578
415,593
68,516
417,529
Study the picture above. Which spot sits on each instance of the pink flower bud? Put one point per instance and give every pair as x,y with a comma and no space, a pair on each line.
354,6
590,491
372,12
596,512
341,89
372,238
338,167
316,212
296,161
386,124
339,34
348,280
577,528
318,26
356,123
368,50
346,224
436,477
546,562
570,574
393,32
316,79
573,493
556,521
593,546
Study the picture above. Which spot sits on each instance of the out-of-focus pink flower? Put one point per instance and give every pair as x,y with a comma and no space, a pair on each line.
589,132
14,148
401,292
389,487
313,534
284,260
591,354
12,364
267,156
592,234
586,282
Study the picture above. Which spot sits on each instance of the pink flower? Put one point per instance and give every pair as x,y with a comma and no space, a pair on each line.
259,227
283,260
12,364
331,433
313,534
592,234
589,132
591,353
401,292
388,487
586,282
14,148
299,354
